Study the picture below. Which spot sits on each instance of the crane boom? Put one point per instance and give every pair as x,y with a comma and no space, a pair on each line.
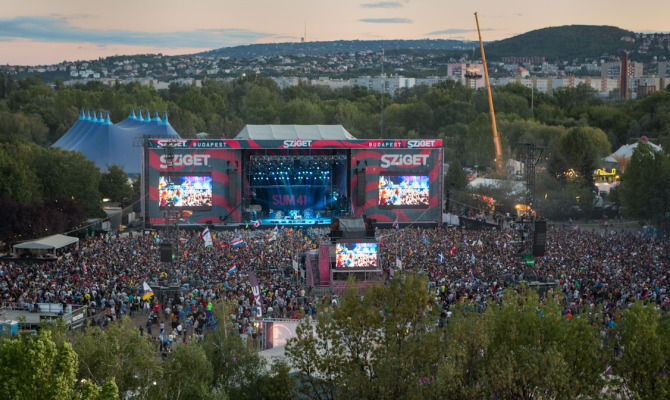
496,137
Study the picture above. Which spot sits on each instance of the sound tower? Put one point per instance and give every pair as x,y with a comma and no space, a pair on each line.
539,238
166,252
360,187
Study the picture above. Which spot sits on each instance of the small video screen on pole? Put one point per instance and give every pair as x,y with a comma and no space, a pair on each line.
356,255
185,191
404,191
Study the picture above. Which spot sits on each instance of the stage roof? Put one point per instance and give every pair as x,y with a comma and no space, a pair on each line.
292,132
48,243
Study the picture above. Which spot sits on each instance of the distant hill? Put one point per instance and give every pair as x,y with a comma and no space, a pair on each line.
337,46
564,42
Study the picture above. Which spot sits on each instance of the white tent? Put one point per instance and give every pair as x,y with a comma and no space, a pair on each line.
52,242
626,151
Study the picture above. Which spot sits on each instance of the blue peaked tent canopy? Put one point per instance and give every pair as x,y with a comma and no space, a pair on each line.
105,143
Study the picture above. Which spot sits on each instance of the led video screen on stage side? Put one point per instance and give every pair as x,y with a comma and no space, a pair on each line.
408,191
185,191
356,255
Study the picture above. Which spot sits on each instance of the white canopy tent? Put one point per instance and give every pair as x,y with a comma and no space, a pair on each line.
49,243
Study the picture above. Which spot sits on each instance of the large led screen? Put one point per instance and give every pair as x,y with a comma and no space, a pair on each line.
404,191
356,255
185,191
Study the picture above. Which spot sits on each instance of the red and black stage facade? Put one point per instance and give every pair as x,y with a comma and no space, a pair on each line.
292,182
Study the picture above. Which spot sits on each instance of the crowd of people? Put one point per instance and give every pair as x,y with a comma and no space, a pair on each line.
595,269
587,269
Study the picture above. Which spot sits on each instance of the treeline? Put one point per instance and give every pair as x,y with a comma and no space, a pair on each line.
393,342
30,110
575,126
44,191
118,362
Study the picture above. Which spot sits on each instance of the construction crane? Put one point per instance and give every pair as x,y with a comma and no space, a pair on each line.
496,137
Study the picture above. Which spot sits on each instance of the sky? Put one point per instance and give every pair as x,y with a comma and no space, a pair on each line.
39,32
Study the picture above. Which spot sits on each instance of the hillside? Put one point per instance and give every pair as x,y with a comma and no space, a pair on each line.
564,42
337,47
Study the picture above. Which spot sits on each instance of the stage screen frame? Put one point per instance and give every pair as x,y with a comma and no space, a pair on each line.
403,206
187,174
338,249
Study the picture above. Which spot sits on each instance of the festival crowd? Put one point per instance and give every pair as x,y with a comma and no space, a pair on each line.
595,270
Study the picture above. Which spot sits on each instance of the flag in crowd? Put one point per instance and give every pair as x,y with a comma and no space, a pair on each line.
441,257
256,290
273,235
207,237
232,269
453,250
237,242
256,223
148,291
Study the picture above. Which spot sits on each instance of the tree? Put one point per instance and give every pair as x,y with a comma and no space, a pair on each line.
379,345
301,111
114,185
582,148
525,339
644,351
119,352
234,367
41,367
455,179
645,185
187,374
69,174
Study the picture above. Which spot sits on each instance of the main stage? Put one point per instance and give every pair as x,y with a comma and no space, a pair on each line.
291,175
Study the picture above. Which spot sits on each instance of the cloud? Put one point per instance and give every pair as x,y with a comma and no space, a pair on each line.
382,4
454,31
56,29
386,20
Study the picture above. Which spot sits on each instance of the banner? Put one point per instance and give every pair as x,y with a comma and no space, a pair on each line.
256,290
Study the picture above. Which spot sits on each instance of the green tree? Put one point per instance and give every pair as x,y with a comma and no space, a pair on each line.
42,367
115,185
119,352
461,374
645,185
20,181
68,174
455,178
301,112
644,352
187,374
379,345
582,148
260,106
234,367
534,352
